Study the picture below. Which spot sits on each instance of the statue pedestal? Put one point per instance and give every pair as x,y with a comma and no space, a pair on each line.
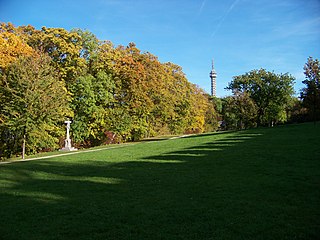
64,149
67,146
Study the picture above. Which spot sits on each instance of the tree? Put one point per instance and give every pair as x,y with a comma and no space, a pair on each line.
270,92
296,112
200,106
213,115
92,98
178,96
239,111
63,47
89,41
310,95
34,103
11,47
110,90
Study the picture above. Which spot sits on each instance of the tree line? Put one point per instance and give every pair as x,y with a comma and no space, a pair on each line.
118,93
264,98
111,93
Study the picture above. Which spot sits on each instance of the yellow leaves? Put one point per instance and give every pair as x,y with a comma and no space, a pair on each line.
62,46
137,95
11,47
199,107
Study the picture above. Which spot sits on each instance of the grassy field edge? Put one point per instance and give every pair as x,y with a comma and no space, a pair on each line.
254,184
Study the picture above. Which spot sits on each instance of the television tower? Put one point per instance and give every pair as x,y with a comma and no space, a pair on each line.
213,76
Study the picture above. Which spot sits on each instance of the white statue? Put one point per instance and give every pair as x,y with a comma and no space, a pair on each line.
67,141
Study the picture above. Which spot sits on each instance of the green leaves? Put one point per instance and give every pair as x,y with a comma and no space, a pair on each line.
311,93
92,96
270,92
119,91
34,103
240,111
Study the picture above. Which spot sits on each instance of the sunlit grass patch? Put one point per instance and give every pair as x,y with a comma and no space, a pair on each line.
253,184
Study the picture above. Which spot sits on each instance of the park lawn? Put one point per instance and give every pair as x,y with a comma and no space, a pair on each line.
255,184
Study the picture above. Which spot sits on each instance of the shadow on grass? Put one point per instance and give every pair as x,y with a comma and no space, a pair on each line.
226,187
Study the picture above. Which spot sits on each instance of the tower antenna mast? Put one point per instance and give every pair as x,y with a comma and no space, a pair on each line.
213,76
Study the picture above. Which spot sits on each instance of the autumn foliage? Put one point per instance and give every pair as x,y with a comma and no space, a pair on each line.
11,48
111,93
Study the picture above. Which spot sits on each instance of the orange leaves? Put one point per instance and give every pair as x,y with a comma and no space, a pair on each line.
155,97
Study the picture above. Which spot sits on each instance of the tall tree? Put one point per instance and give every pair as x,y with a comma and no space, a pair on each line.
178,93
213,117
198,110
92,98
11,47
113,90
63,47
310,95
89,41
271,93
239,111
34,104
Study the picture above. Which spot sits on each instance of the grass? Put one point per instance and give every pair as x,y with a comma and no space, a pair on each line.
58,152
254,184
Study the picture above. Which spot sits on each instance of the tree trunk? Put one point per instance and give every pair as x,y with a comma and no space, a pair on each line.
24,146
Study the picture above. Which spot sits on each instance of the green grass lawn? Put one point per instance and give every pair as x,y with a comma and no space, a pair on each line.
254,184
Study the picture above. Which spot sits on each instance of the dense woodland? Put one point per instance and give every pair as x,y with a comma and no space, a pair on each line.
116,94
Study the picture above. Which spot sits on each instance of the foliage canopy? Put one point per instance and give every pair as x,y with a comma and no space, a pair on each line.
310,94
118,93
270,92
112,93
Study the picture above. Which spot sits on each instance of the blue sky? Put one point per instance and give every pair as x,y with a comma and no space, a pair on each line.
241,35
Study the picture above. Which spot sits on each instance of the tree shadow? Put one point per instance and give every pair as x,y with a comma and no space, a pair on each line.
199,192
